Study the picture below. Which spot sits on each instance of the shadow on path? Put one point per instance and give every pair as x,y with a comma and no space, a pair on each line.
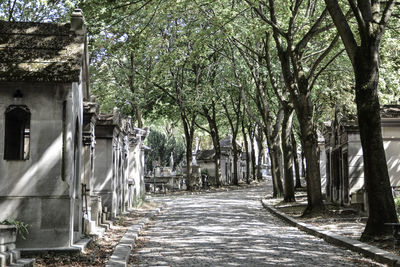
232,229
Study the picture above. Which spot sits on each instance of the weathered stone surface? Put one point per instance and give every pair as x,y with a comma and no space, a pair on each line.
40,52
8,236
34,27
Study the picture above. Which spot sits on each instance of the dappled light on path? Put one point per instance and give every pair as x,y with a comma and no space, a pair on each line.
232,229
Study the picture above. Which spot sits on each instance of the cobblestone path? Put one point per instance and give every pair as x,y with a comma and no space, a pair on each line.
232,229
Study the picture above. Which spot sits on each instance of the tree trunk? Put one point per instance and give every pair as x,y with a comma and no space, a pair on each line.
235,161
314,195
288,154
138,113
296,162
217,162
276,172
278,167
190,183
212,124
260,146
304,111
189,178
246,149
135,102
253,154
275,152
189,134
377,182
303,166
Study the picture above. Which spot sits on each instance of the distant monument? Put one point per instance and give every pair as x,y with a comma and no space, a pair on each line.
171,161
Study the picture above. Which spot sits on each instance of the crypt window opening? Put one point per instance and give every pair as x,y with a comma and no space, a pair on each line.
17,133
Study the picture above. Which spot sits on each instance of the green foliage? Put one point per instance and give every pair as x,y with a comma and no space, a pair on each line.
161,148
397,205
37,10
22,228
186,48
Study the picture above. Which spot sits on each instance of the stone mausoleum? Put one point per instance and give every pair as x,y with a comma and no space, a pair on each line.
43,81
64,166
119,160
205,159
344,156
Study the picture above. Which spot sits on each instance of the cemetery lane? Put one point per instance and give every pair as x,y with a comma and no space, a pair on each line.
231,229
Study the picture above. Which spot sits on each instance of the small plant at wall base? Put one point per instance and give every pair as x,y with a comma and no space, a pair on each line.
397,205
22,228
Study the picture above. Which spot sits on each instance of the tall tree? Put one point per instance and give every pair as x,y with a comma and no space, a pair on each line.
209,111
296,161
254,56
245,136
362,46
251,130
234,117
300,75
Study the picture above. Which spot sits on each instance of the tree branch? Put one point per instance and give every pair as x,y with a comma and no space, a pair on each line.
343,28
323,69
311,33
323,55
260,11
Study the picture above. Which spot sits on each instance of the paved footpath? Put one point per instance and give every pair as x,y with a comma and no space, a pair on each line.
232,229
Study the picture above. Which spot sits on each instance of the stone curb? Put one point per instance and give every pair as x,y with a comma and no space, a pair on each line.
122,251
367,250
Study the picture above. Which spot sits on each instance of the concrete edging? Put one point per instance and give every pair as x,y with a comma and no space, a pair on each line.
367,250
122,250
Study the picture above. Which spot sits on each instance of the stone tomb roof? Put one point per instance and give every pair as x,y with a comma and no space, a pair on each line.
346,123
208,154
40,52
227,142
390,111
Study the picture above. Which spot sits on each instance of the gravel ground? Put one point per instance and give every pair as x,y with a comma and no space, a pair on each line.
231,229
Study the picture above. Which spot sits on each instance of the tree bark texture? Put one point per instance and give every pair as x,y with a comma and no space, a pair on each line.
364,56
135,102
189,157
189,134
246,150
217,162
303,165
309,140
273,134
276,164
287,150
260,140
212,123
377,182
235,151
296,162
252,154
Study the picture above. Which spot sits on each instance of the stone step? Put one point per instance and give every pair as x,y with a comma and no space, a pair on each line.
23,263
94,230
13,258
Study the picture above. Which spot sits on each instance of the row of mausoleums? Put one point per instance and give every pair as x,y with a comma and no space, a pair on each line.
203,167
205,161
65,168
341,156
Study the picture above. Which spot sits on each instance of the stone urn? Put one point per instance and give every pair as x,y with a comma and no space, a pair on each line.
8,237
